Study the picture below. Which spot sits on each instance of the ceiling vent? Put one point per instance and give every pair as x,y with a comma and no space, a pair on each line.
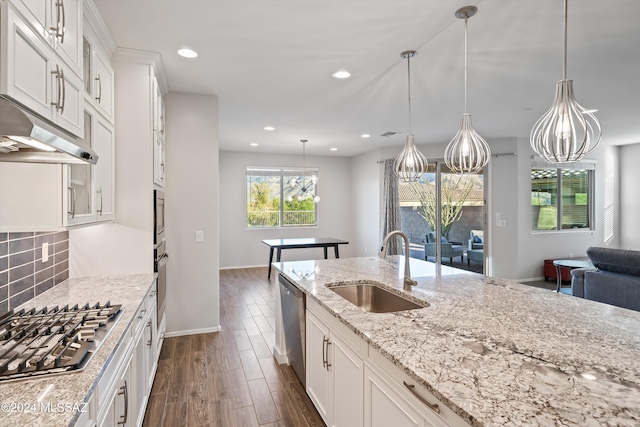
390,133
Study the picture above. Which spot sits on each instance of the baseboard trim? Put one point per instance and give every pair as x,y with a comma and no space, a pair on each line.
243,266
192,332
280,358
532,279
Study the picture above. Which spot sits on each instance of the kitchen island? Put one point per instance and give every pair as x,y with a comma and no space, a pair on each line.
61,400
494,352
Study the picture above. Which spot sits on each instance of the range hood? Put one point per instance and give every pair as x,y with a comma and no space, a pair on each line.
25,137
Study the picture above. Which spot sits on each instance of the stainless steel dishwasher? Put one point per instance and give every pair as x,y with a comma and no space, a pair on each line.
293,319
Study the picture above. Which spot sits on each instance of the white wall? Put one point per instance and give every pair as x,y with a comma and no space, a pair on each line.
629,197
191,196
242,247
109,249
534,248
366,202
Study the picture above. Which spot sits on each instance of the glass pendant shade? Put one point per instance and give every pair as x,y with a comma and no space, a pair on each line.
467,152
410,163
306,186
567,131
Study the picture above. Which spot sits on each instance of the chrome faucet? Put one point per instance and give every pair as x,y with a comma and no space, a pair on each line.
408,281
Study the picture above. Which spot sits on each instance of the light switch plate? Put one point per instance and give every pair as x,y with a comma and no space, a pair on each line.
199,236
45,252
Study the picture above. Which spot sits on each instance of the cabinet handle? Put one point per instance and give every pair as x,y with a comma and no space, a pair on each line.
58,102
64,91
150,333
142,312
325,353
100,210
60,21
72,212
124,390
324,360
412,388
99,97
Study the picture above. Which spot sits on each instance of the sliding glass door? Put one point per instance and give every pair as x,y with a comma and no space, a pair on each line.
443,213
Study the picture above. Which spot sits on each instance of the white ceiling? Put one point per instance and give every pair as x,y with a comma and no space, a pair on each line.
270,63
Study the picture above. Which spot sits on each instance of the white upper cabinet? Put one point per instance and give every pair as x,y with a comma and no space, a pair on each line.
98,76
59,23
35,70
104,169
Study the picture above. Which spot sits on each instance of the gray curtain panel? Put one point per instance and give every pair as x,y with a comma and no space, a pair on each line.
391,208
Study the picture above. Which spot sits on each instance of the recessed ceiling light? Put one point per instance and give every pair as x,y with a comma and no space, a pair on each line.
365,135
333,149
341,74
187,53
254,144
269,128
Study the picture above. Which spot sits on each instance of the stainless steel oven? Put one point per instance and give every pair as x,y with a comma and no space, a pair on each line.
158,217
160,251
161,259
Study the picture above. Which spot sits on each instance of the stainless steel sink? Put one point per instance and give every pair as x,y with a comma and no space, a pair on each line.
374,299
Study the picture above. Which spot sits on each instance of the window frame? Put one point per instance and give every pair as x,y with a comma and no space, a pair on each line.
590,167
281,172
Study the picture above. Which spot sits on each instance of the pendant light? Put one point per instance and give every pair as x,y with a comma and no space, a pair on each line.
567,131
305,188
467,152
410,163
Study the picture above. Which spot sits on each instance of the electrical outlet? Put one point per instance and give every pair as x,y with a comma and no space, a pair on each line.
501,222
199,236
45,252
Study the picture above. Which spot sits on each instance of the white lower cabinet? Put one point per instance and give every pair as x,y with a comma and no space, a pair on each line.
119,401
123,391
351,384
384,407
334,371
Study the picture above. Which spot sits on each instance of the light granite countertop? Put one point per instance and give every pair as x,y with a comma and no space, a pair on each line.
497,353
73,388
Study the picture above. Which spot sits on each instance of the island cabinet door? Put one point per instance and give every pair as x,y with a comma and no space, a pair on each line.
318,377
384,407
347,374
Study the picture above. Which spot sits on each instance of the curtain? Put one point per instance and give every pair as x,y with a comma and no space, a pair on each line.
391,208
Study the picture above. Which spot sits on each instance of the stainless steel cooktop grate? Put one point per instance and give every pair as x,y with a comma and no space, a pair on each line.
52,340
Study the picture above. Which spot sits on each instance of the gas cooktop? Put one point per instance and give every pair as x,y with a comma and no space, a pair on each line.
53,340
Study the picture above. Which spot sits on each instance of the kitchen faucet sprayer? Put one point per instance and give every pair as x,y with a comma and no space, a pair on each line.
408,281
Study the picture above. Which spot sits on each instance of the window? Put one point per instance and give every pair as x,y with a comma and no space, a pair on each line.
562,198
272,200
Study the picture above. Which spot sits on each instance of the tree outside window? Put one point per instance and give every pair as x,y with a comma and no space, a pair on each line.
272,202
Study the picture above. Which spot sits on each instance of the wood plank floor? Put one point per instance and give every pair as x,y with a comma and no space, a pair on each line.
230,378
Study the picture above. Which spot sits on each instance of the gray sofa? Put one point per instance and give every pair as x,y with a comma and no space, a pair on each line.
615,279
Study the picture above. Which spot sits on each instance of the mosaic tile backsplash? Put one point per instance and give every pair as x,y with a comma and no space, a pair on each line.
23,274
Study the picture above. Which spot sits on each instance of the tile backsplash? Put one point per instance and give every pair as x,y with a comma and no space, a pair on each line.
23,273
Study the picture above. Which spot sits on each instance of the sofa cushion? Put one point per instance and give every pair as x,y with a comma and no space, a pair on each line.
477,239
621,261
622,290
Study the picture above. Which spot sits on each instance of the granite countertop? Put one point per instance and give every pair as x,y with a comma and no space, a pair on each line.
496,352
73,388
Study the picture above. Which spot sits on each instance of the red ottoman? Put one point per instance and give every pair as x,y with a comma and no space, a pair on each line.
550,271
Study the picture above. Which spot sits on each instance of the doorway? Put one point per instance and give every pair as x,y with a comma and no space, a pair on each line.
444,214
